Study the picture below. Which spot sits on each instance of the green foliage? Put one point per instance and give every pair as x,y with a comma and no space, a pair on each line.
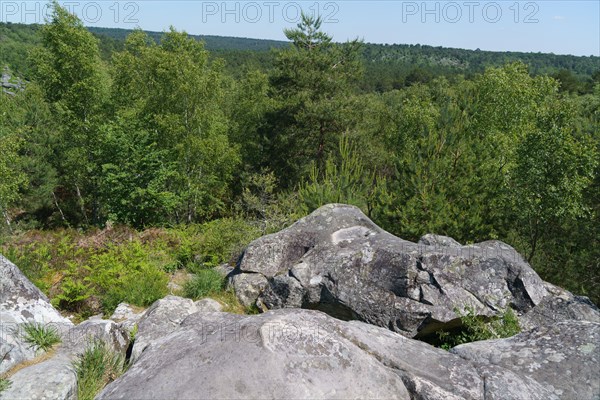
313,83
74,82
205,283
72,295
347,183
12,178
176,94
224,239
41,336
5,383
97,367
476,328
126,273
150,130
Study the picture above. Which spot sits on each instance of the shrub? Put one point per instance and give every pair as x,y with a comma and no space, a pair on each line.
206,282
40,336
73,294
480,328
224,239
95,368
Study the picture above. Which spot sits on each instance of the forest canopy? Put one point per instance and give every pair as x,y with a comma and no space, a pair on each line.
161,132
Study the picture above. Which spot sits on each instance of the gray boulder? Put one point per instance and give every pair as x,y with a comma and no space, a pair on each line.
555,362
126,317
53,379
285,354
164,317
559,307
338,261
21,302
51,376
305,354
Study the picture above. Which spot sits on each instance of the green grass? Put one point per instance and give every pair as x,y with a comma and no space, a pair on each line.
97,367
40,336
205,283
4,384
476,328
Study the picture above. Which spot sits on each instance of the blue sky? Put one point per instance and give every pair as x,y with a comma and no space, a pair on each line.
561,27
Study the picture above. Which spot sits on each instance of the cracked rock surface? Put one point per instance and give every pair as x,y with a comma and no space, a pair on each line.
306,354
338,261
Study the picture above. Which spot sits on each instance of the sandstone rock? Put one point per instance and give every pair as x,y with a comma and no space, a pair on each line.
80,336
248,287
438,240
164,317
208,305
126,317
21,302
305,354
338,261
53,379
285,354
554,362
560,309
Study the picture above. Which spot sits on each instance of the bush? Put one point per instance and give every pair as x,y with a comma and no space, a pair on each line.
97,367
224,240
479,328
40,336
205,283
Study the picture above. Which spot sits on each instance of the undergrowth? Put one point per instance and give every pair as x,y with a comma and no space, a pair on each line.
475,327
86,273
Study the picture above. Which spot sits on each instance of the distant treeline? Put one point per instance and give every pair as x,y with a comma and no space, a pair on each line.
387,67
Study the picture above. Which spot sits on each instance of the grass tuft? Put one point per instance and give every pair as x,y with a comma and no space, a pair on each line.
97,367
4,384
40,336
206,282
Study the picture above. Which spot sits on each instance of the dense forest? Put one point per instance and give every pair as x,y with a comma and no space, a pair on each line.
386,67
158,140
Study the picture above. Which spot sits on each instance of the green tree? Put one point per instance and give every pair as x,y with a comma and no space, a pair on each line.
313,83
73,79
178,96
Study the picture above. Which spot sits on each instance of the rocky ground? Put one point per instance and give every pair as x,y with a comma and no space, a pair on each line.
346,307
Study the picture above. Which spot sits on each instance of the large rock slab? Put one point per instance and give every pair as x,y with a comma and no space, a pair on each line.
53,379
296,354
21,302
306,354
555,362
338,261
51,376
164,317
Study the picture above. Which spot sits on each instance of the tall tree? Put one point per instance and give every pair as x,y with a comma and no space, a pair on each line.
312,83
178,96
74,81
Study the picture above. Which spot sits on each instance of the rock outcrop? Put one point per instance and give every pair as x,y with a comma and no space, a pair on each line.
164,317
305,354
53,377
9,85
21,302
338,261
370,294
